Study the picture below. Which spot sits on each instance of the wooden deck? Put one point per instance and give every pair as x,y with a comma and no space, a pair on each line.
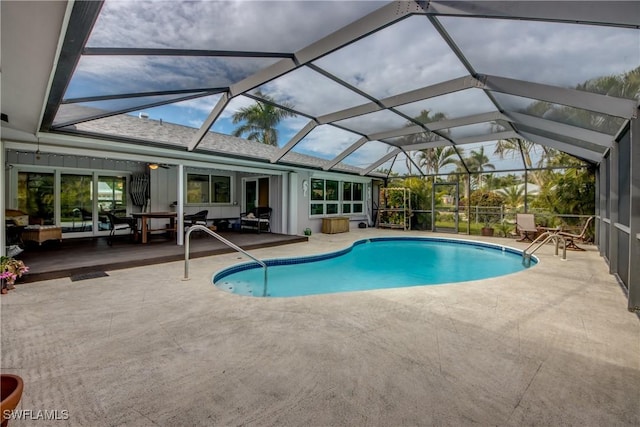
81,256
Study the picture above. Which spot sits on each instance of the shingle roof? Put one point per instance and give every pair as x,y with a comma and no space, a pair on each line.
157,131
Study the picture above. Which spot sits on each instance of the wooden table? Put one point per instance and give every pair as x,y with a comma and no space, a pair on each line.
146,216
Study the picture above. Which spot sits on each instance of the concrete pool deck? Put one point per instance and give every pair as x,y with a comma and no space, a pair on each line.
553,345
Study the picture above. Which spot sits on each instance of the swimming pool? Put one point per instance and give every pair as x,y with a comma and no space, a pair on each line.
376,263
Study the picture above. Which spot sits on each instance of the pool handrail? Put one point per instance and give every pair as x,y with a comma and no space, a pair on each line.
542,240
226,242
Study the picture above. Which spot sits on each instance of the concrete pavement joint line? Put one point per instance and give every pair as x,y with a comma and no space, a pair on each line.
172,339
525,391
110,323
439,351
145,417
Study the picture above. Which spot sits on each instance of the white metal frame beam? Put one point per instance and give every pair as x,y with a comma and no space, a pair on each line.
488,137
613,13
563,146
430,144
381,161
421,94
619,107
467,120
591,136
340,157
213,116
294,140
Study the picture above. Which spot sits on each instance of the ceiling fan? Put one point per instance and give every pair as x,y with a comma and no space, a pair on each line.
154,166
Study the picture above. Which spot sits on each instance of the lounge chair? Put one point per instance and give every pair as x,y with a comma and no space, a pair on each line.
257,219
122,223
526,227
198,218
572,237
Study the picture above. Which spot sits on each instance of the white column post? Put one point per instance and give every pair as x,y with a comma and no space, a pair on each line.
292,205
180,206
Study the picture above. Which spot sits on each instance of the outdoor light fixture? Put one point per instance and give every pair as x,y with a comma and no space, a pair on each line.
153,166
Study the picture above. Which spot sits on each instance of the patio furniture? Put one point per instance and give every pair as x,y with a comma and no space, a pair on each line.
526,227
84,217
198,218
41,233
146,229
11,389
336,224
121,223
571,237
257,219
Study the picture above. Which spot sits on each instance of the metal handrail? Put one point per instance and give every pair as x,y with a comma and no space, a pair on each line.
547,235
226,242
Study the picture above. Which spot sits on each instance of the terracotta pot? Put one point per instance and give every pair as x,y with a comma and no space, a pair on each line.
487,231
11,386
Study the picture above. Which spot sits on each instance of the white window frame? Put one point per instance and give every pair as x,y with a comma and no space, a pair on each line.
209,201
339,202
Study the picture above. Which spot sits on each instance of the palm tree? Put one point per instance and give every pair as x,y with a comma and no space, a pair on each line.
513,196
421,137
434,159
478,162
259,121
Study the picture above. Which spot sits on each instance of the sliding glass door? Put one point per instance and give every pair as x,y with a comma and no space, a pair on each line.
36,196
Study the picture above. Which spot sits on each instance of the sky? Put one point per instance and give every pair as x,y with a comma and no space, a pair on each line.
402,57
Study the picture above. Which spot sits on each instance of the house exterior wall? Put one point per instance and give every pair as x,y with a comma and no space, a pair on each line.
288,197
302,210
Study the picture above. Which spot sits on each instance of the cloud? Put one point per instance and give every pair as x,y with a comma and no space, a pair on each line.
405,56
326,142
311,93
281,26
544,52
109,75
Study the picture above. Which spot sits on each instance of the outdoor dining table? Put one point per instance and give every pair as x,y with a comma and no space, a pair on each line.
144,217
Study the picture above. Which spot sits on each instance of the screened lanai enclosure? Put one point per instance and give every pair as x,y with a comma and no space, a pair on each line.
455,100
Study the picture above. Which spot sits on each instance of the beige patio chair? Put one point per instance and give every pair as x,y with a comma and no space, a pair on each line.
572,237
526,227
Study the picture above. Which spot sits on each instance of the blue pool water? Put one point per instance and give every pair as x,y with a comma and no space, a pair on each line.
375,263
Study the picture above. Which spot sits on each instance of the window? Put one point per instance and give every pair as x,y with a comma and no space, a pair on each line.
205,189
352,198
324,197
36,196
330,197
76,203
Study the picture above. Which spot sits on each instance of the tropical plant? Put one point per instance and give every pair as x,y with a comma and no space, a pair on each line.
485,201
476,163
260,120
424,117
434,159
513,195
10,270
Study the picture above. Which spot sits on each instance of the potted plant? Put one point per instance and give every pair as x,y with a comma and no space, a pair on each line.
10,270
487,226
487,204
